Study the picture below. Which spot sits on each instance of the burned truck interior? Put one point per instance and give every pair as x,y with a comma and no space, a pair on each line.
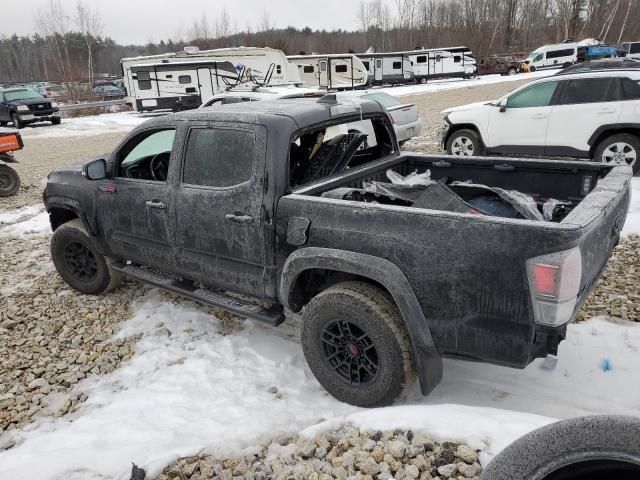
494,187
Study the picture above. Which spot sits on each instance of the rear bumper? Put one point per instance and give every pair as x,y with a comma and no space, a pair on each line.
407,131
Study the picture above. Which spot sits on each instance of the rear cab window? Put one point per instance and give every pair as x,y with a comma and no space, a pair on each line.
334,148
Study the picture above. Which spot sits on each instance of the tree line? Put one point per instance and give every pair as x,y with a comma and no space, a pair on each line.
71,44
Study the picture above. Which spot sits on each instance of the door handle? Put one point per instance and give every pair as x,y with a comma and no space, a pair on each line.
238,218
539,116
156,204
605,111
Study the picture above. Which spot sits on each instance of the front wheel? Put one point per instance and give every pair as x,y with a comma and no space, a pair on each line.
464,143
423,80
55,120
622,148
16,121
356,345
9,181
79,263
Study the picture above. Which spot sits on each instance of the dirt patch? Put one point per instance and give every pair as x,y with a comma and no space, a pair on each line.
42,155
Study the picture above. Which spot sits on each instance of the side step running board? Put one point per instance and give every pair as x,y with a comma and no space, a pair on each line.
273,316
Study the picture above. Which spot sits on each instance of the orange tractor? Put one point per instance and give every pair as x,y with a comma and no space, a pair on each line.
10,141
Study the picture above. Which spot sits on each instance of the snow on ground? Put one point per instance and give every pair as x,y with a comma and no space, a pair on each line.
90,125
25,220
455,83
196,389
632,224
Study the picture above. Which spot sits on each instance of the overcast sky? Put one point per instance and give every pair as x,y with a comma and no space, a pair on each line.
138,21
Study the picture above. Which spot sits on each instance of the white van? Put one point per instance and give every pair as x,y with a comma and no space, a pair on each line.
559,55
632,49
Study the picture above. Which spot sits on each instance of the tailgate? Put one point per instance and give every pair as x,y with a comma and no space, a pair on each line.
601,216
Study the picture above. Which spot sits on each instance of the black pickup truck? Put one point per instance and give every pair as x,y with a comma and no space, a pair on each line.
263,208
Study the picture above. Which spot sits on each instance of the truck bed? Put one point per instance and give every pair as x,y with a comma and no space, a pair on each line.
469,271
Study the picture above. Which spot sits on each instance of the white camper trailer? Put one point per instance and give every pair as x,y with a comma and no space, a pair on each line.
436,63
335,71
387,68
178,85
250,64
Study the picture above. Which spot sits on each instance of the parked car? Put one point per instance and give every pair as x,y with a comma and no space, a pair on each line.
108,91
498,65
587,115
22,106
632,49
404,116
272,201
603,64
52,91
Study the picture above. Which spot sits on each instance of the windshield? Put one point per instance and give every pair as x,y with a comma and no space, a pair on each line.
534,53
21,95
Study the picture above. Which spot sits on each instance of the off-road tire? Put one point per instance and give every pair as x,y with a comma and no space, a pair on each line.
65,240
471,137
56,120
626,138
372,311
9,181
582,448
16,121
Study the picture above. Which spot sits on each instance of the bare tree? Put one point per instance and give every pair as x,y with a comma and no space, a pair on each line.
90,26
53,22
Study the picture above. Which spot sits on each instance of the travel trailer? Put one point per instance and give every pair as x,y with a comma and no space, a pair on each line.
558,55
632,49
178,85
385,68
333,72
430,63
249,64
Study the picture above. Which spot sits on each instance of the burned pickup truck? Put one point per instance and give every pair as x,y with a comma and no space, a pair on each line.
394,260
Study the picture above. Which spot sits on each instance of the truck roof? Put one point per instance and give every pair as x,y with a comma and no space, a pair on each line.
303,111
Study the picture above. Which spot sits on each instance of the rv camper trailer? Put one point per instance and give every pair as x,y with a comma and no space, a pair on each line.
178,85
387,68
437,63
263,65
333,72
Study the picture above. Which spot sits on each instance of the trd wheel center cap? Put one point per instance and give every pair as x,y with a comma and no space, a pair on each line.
353,349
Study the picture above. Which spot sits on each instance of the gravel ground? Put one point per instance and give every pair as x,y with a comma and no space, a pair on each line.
345,454
51,337
41,155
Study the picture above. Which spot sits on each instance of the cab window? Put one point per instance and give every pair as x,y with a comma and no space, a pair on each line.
146,157
536,96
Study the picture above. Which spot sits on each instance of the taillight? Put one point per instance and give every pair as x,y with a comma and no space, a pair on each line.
554,281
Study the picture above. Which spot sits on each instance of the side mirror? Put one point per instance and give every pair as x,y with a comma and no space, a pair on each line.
503,105
95,169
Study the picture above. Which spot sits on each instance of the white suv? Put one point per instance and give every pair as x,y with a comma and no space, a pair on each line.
592,115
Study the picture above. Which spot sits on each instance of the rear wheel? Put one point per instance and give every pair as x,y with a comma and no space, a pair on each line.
79,263
9,181
464,143
16,121
423,80
512,71
356,345
620,149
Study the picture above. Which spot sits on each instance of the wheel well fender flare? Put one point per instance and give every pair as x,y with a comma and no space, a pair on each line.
428,362
604,131
73,206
